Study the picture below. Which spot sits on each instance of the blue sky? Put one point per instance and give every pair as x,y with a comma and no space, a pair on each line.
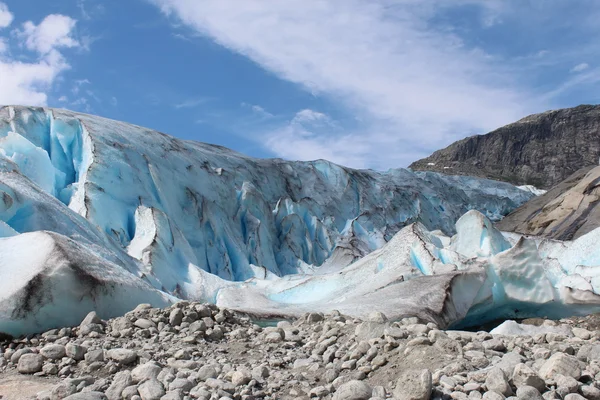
365,83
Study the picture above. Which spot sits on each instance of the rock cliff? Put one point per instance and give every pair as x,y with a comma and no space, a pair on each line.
540,150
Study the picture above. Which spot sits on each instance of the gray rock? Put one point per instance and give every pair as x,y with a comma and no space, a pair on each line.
144,372
90,328
496,381
370,330
182,384
414,385
129,392
562,364
175,317
314,318
273,337
574,396
151,390
122,356
241,377
353,390
566,385
492,396
378,317
50,369
494,344
197,326
525,376
590,392
319,392
75,351
203,311
53,351
30,363
182,364
589,352
14,358
528,393
173,395
91,318
581,333
260,372
143,323
206,372
87,396
94,356
121,380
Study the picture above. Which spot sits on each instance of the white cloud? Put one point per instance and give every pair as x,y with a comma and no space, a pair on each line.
258,110
410,83
53,32
298,140
27,82
6,17
77,84
82,103
308,115
580,67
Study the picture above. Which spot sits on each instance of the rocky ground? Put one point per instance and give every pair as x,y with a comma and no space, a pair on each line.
198,351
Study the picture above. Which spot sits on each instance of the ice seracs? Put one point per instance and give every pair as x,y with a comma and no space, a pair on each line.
451,285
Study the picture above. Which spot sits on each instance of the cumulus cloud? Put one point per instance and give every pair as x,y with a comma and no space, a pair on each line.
53,32
27,82
6,17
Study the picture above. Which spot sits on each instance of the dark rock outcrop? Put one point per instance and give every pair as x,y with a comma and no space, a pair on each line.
540,150
567,211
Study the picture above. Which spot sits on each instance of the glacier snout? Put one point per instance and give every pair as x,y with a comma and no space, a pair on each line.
156,219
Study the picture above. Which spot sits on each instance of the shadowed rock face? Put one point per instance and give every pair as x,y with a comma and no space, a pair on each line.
566,212
540,150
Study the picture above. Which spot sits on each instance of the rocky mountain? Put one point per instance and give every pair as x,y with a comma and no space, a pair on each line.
567,211
540,150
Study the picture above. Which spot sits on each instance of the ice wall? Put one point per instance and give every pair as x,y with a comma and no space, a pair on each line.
171,203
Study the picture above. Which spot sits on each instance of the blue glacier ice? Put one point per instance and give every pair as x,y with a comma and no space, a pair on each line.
415,274
198,221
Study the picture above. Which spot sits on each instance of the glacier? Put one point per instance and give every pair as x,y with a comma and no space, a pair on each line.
416,274
145,217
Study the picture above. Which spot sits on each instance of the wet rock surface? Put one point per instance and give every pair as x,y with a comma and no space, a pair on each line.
199,351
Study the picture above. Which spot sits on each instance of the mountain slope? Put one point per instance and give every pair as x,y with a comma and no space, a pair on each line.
540,150
566,212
